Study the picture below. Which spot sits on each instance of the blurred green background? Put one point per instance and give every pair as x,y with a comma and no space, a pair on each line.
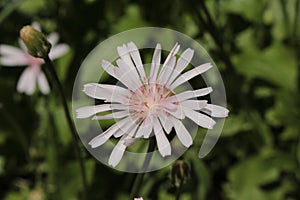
255,44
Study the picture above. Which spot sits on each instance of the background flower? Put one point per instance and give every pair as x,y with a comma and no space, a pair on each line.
33,74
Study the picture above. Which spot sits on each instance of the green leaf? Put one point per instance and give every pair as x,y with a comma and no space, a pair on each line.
236,123
32,7
275,64
251,10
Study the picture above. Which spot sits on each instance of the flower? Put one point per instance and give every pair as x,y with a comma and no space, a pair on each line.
35,41
149,103
139,198
33,74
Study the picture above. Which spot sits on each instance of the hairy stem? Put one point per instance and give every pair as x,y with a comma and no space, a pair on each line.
70,122
139,177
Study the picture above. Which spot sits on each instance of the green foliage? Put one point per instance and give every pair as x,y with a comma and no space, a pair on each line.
254,43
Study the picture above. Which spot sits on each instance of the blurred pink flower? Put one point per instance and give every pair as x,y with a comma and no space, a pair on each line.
33,74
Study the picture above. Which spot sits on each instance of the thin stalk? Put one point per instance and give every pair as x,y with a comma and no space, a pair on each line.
139,177
70,122
285,16
178,192
295,38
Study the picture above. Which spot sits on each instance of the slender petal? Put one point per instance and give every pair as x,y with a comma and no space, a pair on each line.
89,111
178,112
190,94
117,154
115,72
125,56
155,63
36,25
43,83
215,110
114,115
103,137
145,128
132,73
194,104
53,38
10,51
182,133
27,81
168,69
165,121
58,51
200,119
129,128
111,93
182,63
168,64
135,55
190,74
163,144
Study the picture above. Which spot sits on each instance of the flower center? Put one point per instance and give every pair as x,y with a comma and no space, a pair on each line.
148,100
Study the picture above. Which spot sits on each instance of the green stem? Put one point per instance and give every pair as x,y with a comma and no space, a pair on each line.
139,177
70,122
295,38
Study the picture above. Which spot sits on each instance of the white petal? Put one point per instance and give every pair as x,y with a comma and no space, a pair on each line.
12,56
58,51
130,141
88,111
190,74
109,68
36,26
114,115
178,112
155,63
172,53
194,104
43,83
135,55
53,38
130,73
145,128
182,63
103,137
11,51
127,129
117,154
167,71
200,119
189,94
115,72
125,56
215,110
163,144
182,133
111,93
27,81
168,65
10,61
165,121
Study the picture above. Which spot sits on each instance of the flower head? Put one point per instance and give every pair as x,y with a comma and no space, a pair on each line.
36,43
148,103
33,74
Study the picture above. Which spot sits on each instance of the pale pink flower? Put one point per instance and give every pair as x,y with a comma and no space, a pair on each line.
148,103
33,74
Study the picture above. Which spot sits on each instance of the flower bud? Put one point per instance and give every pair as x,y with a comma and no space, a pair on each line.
35,41
180,173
